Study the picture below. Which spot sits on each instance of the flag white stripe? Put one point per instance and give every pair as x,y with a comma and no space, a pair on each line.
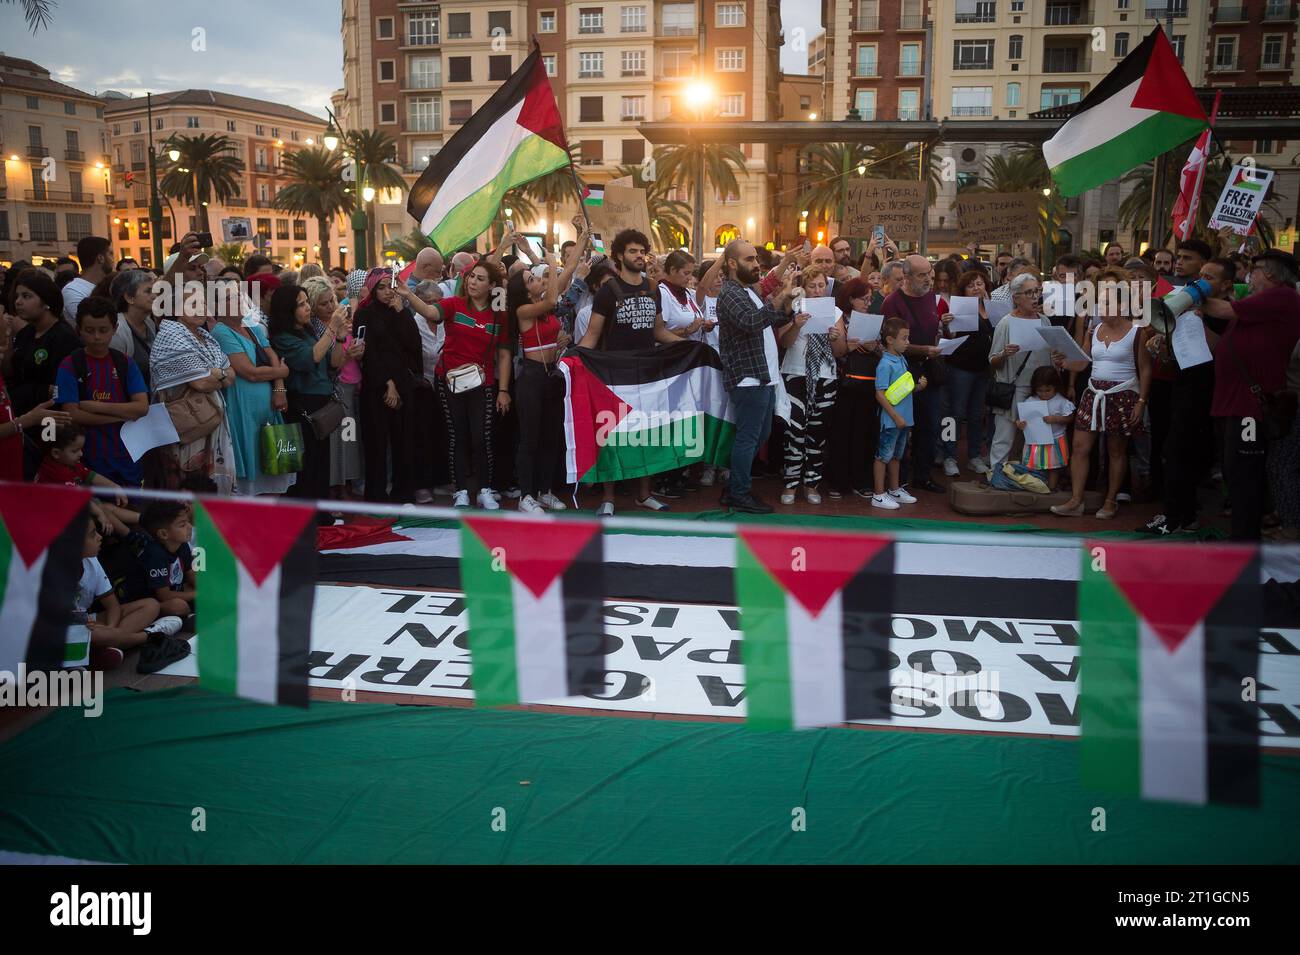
1172,718
18,609
701,388
540,666
484,161
258,640
816,663
1095,126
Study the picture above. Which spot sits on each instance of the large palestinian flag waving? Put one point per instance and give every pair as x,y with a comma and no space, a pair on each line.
254,597
515,137
633,414
42,536
815,611
1144,107
534,591
1169,662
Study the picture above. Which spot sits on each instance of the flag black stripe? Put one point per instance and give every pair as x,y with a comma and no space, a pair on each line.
584,620
1232,631
1131,69
297,598
59,579
867,603
640,367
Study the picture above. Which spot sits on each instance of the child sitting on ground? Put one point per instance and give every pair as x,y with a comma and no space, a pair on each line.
1045,385
163,569
894,387
63,464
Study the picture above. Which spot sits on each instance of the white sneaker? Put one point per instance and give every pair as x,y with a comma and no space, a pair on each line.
528,505
787,497
811,495
423,496
496,495
1124,497
606,509
884,501
708,477
168,626
900,495
487,501
652,503
460,499
552,503
950,467
979,466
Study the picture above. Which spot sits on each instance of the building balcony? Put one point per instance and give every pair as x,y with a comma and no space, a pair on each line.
237,202
591,31
263,167
1067,15
911,70
671,31
1229,14
1271,65
465,35
139,166
627,73
865,24
868,72
1225,66
1175,8
59,196
964,18
420,41
411,83
37,152
263,204
1065,62
911,23
959,112
1278,11
633,28
410,125
591,74
74,155
974,65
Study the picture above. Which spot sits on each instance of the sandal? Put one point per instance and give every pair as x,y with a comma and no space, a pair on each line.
1107,510
1065,510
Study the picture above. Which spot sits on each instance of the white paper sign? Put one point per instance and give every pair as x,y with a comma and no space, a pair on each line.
1189,344
822,314
1059,339
996,309
965,311
1242,198
152,431
1037,431
865,327
949,345
1025,333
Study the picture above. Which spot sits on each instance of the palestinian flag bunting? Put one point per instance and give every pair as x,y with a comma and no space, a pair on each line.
1144,107
634,414
1168,635
254,597
42,538
534,593
515,137
815,609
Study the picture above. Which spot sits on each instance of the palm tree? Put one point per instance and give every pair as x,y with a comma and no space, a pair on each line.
1024,170
669,218
316,188
207,166
375,151
554,188
408,246
521,209
37,13
829,168
232,253
679,166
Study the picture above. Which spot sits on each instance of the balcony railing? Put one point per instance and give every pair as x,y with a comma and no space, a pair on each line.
591,28
972,111
421,125
909,114
974,65
459,35
866,115
632,28
1175,8
138,166
640,72
1071,14
1230,14
866,71
591,74
1278,11
424,82
633,117
915,22
53,195
1065,61
421,39
262,204
865,24
1224,66
983,16
675,30
40,235
262,167
74,155
239,202
1269,64
912,69
37,152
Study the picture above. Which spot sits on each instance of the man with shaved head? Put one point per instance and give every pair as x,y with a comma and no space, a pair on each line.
459,263
747,346
428,268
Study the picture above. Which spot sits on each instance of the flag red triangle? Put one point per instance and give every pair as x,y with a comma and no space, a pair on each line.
1165,86
260,535
1162,287
1173,586
35,514
360,531
540,113
590,407
812,566
535,553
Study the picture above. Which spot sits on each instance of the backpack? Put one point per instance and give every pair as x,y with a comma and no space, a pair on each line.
81,371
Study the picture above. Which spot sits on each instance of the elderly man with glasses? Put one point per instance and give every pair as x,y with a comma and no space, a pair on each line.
1012,365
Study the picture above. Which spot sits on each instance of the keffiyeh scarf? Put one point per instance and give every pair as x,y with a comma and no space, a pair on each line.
180,356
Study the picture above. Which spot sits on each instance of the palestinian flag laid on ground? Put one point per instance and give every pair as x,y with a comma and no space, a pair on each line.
815,609
534,593
634,414
1168,647
42,538
515,137
254,597
1145,106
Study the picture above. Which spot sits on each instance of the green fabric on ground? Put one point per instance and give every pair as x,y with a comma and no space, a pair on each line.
361,783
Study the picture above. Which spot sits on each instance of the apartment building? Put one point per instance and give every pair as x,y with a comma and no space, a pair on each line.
56,185
879,58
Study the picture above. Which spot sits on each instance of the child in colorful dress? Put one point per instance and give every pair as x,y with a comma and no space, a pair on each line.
1045,385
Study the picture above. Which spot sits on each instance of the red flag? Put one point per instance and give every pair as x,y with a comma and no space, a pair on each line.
1191,181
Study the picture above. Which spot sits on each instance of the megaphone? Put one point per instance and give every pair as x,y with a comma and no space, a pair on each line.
1165,311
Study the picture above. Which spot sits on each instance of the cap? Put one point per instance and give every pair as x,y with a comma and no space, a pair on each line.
200,259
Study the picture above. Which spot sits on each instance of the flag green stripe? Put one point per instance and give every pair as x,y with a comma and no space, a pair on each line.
1113,158
473,214
490,604
766,647
6,555
1110,747
217,606
649,451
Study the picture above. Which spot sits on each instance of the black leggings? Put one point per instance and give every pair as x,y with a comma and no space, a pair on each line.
541,427
314,479
385,430
469,416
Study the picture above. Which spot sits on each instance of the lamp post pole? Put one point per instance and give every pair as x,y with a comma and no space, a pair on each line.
360,221
155,206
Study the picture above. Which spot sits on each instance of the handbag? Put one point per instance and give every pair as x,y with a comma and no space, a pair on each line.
282,448
464,378
326,419
1277,410
900,388
1001,395
195,415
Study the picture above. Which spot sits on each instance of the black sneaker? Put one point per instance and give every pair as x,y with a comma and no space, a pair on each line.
864,492
928,485
669,489
749,504
161,651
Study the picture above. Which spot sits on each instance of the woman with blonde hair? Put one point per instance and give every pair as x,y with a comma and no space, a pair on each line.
345,447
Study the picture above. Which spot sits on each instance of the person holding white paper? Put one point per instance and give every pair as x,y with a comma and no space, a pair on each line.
968,375
1010,366
808,370
1048,411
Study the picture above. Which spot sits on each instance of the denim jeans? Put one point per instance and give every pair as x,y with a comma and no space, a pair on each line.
754,409
926,407
965,391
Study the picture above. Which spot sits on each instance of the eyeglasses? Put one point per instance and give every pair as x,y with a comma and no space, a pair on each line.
1031,291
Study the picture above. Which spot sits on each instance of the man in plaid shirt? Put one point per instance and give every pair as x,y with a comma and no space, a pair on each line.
747,346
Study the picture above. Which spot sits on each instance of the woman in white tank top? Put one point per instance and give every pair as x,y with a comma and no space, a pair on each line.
1114,400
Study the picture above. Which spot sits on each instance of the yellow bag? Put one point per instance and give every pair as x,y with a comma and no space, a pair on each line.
903,386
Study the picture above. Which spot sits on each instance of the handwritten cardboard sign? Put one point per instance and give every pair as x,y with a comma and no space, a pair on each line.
997,218
896,204
624,207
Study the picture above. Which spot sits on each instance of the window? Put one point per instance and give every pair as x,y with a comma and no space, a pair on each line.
425,73
1053,96
259,130
1013,94
633,20
387,71
230,125
674,64
591,65
70,108
146,231
300,229
678,19
34,102
282,228
1277,9
422,29
124,230
976,11
972,101
137,155
548,61
1225,53
1121,44
732,105
867,63
458,26
1015,47
157,123
275,132
864,101
972,55
1271,58
422,152
1263,145
633,108
591,20
909,59
191,122
458,69
117,129
805,102
731,61
135,126
1122,4
1178,41
592,152
34,140
909,104
730,15
460,110
633,151
4,225
1064,59
388,112
591,109
166,227
44,227
633,63
264,227
546,21
384,28
73,143
498,23
499,67
423,114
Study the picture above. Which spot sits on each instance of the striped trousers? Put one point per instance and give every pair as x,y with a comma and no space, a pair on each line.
805,436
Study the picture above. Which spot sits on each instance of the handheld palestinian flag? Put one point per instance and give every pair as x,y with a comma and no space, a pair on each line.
42,538
593,196
514,138
254,598
815,609
1144,107
633,414
534,593
1168,647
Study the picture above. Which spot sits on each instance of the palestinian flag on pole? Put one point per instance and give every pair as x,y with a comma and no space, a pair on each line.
815,609
1168,647
593,196
254,597
42,537
534,592
633,414
1144,107
515,137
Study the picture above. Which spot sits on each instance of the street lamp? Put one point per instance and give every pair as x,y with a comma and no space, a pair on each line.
174,154
699,95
